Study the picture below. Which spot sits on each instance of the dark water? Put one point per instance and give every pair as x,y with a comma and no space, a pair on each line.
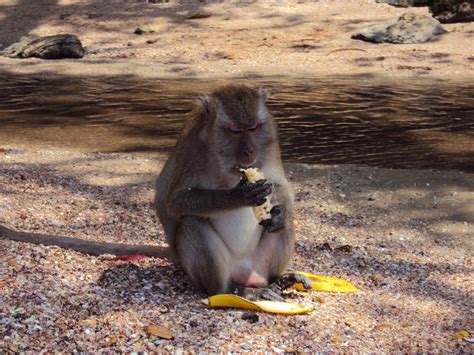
397,124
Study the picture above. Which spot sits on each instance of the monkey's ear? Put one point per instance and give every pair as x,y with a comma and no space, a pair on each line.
205,102
264,94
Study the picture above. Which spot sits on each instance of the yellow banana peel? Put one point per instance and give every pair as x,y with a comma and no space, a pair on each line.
319,283
325,284
234,301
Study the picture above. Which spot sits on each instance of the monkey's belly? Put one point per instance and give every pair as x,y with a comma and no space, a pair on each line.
239,230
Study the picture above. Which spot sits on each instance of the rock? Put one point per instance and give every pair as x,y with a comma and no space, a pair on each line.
199,15
405,3
140,31
245,347
409,28
49,47
450,11
250,317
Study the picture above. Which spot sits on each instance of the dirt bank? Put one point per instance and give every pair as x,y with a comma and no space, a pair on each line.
245,38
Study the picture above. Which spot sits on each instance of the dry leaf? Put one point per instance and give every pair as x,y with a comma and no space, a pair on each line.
15,265
159,331
460,334
112,341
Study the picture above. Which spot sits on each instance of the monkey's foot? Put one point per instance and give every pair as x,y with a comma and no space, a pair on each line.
256,294
291,279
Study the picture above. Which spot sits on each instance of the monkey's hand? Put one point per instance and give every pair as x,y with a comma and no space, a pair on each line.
277,220
252,194
290,279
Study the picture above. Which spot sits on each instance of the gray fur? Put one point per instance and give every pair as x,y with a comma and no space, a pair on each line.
207,219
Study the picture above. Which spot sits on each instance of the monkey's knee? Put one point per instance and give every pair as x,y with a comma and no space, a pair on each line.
203,255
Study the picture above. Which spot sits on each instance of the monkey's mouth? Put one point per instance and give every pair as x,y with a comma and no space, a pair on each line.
244,166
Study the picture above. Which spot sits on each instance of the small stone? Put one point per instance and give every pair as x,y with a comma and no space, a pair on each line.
349,332
250,317
199,15
245,347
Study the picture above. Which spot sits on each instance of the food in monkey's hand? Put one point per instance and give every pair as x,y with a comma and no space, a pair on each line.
261,212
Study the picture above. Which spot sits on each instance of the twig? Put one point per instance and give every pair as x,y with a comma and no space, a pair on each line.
346,49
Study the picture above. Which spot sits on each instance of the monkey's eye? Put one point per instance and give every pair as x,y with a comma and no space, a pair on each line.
254,128
235,131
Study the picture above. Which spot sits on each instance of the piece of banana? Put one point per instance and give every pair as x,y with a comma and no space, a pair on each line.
263,211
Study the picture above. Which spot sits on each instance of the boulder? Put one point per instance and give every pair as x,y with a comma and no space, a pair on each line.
450,11
405,3
49,47
408,28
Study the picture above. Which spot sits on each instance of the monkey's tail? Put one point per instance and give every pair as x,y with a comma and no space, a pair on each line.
86,246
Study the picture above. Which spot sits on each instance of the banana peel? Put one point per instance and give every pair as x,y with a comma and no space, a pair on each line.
234,301
325,284
318,283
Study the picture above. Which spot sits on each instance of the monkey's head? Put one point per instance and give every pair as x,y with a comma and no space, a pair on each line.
238,127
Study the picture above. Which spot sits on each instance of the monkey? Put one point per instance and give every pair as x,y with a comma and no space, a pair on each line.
204,203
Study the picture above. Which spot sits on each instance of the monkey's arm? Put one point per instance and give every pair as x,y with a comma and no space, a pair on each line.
84,246
202,202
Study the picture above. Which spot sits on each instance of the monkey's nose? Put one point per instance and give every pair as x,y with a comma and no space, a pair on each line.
248,156
247,152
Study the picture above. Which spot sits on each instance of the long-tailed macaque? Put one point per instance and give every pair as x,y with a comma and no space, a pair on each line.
205,205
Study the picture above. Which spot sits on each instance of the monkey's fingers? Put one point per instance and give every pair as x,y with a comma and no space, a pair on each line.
276,222
290,279
261,188
260,202
256,294
269,295
244,180
256,194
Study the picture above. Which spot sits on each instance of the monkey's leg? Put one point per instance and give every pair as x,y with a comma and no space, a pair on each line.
273,254
281,245
203,255
251,277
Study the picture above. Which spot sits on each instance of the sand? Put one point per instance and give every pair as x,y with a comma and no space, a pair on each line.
242,38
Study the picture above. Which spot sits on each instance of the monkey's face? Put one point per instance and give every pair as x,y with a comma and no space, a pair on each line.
245,131
239,129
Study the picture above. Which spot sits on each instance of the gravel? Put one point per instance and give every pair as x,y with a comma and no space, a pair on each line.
402,237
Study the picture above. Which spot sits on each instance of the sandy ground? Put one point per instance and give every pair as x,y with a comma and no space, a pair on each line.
403,237
244,38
